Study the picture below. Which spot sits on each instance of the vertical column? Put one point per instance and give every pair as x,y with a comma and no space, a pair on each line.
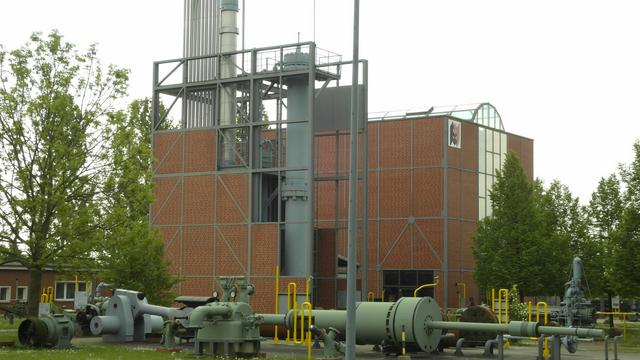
296,189
228,43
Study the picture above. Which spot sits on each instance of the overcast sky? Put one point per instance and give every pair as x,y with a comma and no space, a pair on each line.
565,73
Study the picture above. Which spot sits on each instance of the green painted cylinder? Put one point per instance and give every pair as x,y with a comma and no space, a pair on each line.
378,321
106,324
273,319
48,331
297,190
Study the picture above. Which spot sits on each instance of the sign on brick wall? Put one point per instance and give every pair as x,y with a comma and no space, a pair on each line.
455,134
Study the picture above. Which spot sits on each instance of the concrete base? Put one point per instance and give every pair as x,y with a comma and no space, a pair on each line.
403,357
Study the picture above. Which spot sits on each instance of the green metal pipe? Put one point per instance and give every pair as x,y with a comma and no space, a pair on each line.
580,332
273,319
515,328
414,320
199,314
466,326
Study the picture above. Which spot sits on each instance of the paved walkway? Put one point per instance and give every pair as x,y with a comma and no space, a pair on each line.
586,351
593,351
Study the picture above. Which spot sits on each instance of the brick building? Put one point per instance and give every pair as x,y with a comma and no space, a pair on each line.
251,168
428,179
15,282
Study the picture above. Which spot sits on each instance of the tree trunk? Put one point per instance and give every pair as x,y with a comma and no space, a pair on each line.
610,310
33,299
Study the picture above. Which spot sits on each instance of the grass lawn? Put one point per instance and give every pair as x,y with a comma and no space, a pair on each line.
93,352
9,332
629,343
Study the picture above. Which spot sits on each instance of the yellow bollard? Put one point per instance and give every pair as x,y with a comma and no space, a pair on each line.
50,294
404,339
530,307
292,303
493,300
370,296
382,296
275,337
545,310
546,353
306,305
507,344
506,305
306,297
462,299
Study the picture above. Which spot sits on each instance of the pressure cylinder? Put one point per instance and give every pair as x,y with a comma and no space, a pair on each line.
105,325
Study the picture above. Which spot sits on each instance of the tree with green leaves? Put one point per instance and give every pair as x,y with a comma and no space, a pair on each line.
566,232
506,245
604,214
626,239
133,256
53,100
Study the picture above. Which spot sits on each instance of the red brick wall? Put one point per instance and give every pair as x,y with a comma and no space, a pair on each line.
168,152
8,278
204,214
524,148
200,151
264,249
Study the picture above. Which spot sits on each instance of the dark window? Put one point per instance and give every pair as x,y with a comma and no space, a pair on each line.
425,277
22,293
4,293
403,283
66,290
391,277
408,277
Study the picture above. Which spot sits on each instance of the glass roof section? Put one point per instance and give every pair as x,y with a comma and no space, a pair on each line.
483,114
479,113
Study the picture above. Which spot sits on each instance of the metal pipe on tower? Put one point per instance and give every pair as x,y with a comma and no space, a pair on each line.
228,43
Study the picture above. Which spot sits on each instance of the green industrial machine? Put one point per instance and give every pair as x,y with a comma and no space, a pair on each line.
96,306
418,321
129,317
46,331
229,326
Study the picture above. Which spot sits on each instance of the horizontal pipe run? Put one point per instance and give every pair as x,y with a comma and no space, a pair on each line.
516,328
199,314
166,312
273,319
580,332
